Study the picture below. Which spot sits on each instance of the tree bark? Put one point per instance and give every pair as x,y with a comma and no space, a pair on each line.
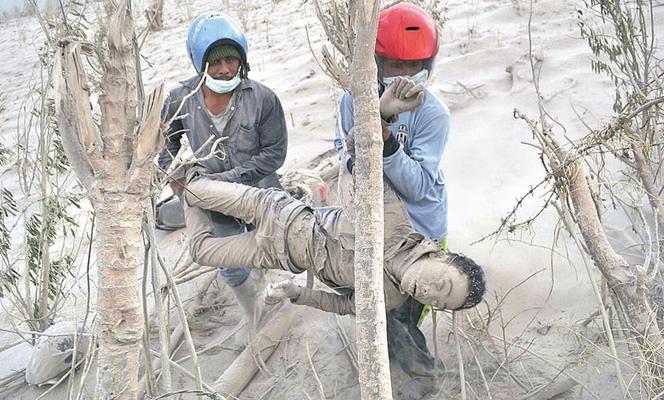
118,308
115,167
369,299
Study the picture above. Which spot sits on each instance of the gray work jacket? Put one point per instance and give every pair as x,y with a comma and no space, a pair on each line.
256,133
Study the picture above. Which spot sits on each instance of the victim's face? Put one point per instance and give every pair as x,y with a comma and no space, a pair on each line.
432,281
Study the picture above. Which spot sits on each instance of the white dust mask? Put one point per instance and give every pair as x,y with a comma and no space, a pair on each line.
222,86
420,77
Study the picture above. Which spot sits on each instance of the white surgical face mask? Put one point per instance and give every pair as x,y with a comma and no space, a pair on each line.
221,86
420,77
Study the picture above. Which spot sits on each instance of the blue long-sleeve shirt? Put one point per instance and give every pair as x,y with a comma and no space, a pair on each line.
414,170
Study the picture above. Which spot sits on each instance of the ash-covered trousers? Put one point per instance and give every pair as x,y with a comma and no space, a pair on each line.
269,210
224,226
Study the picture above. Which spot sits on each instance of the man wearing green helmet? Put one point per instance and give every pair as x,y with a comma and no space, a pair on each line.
234,125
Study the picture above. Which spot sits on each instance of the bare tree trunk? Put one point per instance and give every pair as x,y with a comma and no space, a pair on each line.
114,166
155,15
42,311
642,167
369,299
627,282
120,319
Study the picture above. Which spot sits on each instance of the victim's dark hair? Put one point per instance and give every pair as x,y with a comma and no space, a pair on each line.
476,281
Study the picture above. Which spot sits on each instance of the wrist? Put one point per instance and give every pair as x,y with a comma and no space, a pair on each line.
386,132
388,119
390,146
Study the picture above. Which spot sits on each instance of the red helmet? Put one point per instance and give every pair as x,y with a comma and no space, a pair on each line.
406,32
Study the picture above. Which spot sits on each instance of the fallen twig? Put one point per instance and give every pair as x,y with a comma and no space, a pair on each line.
462,375
321,392
551,390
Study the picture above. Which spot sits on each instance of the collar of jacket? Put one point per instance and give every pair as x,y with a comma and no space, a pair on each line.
192,83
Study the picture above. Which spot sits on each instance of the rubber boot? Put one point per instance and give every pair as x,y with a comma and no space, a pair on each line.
250,298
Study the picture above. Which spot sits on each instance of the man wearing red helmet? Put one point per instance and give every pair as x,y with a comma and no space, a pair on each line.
406,47
415,126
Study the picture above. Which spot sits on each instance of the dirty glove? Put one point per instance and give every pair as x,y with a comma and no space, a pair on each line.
278,291
402,95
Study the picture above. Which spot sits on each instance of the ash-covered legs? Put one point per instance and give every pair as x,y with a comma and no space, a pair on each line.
253,249
271,211
242,202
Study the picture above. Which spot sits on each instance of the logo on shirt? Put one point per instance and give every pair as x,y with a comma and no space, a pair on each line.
402,134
